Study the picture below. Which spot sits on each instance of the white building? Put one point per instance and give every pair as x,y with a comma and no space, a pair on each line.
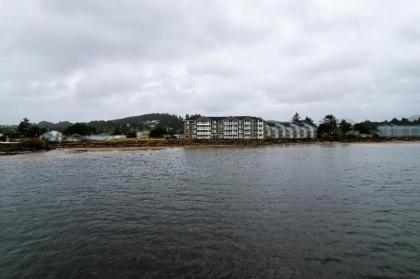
289,130
399,130
52,136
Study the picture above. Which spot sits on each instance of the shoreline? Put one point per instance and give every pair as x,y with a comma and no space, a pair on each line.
133,145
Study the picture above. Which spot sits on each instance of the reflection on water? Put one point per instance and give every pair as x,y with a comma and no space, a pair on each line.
313,211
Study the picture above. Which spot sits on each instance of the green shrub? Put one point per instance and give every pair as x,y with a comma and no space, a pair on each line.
157,132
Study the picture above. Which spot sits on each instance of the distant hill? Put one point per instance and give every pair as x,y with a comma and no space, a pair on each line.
168,121
164,120
54,126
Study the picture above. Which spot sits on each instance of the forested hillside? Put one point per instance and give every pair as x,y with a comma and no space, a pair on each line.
169,122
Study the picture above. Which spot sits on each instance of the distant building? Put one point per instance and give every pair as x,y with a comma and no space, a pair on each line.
52,136
73,138
103,137
289,130
178,136
231,127
357,134
151,123
142,134
391,130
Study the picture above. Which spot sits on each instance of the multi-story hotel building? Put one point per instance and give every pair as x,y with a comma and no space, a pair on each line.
289,130
232,127
390,130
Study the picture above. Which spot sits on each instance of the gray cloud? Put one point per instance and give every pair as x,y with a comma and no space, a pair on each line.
83,60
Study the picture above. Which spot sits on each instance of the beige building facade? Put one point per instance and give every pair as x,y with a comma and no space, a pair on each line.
231,127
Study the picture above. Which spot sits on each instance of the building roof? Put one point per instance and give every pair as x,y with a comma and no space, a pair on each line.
52,132
399,126
288,124
219,118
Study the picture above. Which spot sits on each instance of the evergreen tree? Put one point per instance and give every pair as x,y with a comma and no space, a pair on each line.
296,118
328,127
309,120
80,128
344,127
24,127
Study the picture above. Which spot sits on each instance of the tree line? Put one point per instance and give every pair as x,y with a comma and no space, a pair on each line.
328,128
332,129
156,123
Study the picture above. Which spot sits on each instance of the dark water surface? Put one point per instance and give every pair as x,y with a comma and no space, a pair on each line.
312,211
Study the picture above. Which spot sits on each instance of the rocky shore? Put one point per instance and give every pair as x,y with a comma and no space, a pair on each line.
219,142
18,148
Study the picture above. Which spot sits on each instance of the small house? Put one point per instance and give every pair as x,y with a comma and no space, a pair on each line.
52,136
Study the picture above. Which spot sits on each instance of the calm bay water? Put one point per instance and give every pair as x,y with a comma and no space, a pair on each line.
311,211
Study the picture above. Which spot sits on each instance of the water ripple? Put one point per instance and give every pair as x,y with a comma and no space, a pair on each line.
346,211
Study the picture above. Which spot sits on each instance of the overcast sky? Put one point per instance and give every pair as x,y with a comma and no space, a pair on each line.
82,60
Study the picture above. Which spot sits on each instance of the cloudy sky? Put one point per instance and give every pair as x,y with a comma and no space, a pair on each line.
82,60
